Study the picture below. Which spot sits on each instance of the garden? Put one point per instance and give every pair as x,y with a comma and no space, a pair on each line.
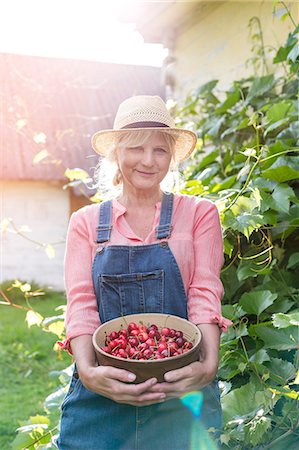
246,162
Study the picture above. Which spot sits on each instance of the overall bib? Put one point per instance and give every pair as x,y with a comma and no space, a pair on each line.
130,280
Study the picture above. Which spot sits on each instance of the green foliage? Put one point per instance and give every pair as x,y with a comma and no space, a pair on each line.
248,164
27,356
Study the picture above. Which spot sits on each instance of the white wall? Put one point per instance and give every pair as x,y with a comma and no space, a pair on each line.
44,208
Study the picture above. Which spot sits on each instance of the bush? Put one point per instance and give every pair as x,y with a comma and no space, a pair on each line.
247,162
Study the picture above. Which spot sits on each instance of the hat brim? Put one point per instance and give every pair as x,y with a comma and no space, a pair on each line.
185,143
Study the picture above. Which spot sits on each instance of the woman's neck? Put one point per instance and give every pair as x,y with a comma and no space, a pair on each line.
140,198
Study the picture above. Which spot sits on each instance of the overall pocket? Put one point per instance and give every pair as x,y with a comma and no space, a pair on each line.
131,293
73,388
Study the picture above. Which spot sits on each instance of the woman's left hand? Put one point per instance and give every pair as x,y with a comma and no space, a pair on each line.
197,374
192,377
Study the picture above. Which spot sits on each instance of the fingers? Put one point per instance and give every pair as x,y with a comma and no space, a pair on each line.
179,374
118,374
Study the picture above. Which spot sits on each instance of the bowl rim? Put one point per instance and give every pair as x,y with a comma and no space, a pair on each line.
147,361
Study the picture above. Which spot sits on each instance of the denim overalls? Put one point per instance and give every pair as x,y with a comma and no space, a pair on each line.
129,280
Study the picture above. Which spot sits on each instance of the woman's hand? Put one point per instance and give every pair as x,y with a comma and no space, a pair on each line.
192,377
117,385
111,382
197,374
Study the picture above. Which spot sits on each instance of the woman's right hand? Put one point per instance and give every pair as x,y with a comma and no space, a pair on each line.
117,384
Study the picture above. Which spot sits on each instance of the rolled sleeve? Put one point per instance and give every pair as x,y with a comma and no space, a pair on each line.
82,315
206,289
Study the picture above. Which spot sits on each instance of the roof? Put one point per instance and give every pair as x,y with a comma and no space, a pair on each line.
159,21
50,108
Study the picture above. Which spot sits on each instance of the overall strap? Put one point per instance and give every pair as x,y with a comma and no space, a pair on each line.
105,217
163,230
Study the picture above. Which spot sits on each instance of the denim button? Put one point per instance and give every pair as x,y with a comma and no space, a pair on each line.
100,249
164,244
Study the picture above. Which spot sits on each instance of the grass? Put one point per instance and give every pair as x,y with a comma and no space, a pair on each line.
27,357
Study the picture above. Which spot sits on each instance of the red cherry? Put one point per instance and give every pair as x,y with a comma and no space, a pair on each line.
151,342
187,345
142,336
133,341
180,341
172,333
172,346
178,334
147,353
113,335
143,346
123,333
132,326
122,353
142,329
165,331
162,346
134,332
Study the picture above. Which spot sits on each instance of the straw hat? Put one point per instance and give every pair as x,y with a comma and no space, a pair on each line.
143,112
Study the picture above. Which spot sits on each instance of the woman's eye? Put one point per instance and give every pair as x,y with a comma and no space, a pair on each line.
161,150
135,149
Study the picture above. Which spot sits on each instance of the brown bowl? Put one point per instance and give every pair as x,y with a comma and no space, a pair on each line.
145,369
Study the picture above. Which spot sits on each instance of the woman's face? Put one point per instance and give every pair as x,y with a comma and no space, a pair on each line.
143,167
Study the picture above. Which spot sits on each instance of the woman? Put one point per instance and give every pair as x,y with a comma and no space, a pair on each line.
167,247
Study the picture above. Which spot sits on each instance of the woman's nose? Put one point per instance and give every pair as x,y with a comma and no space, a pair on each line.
148,157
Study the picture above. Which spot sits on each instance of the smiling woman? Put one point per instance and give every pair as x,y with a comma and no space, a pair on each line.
77,29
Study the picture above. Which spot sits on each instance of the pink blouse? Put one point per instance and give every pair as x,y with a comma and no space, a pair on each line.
196,242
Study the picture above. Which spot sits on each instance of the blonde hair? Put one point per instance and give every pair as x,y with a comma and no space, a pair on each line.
108,176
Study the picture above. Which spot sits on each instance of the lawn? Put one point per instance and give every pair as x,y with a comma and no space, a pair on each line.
26,356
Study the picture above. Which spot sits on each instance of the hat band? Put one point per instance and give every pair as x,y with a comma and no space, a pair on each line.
145,125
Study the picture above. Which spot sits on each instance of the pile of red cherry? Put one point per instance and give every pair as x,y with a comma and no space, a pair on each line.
146,343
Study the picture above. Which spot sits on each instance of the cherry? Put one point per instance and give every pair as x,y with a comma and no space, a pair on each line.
151,342
134,332
162,346
142,329
165,331
133,341
143,336
142,343
132,326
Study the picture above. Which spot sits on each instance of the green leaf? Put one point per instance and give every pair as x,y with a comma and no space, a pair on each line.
293,260
54,400
281,198
276,125
294,53
23,441
281,320
206,88
260,356
278,339
207,160
240,402
256,302
231,99
282,370
283,169
246,270
256,429
50,251
40,156
260,86
279,110
76,174
33,318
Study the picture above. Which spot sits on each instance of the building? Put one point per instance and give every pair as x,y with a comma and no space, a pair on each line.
49,110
